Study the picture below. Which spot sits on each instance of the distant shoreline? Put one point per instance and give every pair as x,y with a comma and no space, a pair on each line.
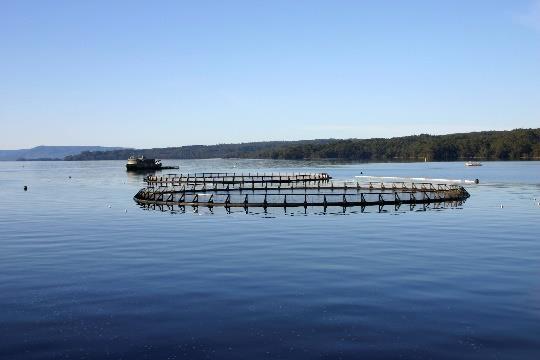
518,144
341,161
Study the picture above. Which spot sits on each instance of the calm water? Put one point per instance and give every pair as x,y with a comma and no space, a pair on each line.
82,280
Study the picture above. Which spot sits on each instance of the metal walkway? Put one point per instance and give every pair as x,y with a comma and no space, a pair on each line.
234,178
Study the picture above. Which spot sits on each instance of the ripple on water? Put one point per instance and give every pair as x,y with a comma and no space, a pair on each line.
81,279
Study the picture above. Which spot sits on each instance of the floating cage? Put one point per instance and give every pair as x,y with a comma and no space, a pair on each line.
234,178
231,190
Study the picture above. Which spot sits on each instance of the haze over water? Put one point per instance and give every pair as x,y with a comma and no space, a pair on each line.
80,279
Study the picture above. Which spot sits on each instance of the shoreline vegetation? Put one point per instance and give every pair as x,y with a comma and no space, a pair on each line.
518,144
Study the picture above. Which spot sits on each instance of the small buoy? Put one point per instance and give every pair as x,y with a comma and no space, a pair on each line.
25,188
125,210
502,206
109,206
476,181
70,176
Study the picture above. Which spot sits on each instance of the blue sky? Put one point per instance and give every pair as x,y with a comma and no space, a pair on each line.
169,73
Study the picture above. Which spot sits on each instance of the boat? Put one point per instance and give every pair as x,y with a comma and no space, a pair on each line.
142,163
473,163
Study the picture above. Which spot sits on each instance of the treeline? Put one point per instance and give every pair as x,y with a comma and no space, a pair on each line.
487,145
243,150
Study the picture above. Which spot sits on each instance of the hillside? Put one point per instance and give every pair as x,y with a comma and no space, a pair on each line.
489,145
242,150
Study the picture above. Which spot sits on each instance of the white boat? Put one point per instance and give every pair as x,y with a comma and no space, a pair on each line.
473,163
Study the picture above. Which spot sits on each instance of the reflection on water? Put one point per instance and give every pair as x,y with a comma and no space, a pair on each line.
314,210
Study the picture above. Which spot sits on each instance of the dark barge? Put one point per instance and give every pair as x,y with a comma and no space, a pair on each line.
142,164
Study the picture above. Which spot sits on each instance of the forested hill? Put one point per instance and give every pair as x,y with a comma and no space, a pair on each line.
489,145
243,150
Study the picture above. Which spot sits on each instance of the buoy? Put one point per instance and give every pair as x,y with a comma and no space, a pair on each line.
125,210
70,176
476,181
502,206
25,188
109,206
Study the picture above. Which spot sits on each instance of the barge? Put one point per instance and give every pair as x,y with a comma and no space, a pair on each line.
143,164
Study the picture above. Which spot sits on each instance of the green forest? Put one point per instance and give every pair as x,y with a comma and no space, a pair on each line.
519,144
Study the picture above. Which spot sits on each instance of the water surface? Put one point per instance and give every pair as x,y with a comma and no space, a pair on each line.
86,273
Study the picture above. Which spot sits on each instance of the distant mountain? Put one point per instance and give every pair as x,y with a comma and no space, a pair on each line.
49,152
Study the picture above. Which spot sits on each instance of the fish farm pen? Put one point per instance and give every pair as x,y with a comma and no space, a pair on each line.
233,178
231,190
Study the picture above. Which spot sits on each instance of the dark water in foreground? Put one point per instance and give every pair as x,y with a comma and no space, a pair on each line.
82,280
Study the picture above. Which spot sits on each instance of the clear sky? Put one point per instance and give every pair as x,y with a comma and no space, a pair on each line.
169,73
